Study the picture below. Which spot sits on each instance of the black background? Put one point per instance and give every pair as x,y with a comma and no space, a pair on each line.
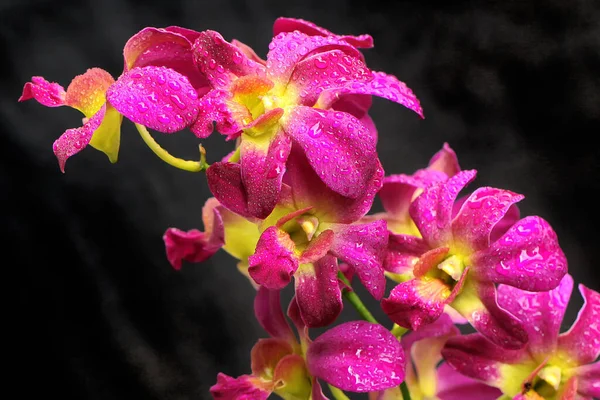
93,309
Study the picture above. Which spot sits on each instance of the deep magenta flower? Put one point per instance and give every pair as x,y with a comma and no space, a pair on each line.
551,366
356,356
464,251
425,378
313,91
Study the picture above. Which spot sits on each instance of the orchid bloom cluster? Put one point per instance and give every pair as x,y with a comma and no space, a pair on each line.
291,204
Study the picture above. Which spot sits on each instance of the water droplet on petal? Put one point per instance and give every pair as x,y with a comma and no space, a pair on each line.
174,85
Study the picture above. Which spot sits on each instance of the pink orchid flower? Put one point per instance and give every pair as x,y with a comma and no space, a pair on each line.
308,231
462,253
425,379
159,88
355,356
552,366
310,92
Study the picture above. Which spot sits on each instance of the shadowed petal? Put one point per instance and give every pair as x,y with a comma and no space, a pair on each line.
479,214
266,354
317,392
107,138
357,356
156,97
318,294
337,146
527,256
283,24
217,106
403,252
225,183
240,388
588,378
582,341
453,385
49,94
540,312
274,262
445,161
362,246
248,51
291,378
268,312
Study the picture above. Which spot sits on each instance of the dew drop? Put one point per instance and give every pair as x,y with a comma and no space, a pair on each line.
174,85
175,99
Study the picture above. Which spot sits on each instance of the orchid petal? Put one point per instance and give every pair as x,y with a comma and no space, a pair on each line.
218,106
582,341
357,105
283,24
362,246
540,312
221,61
274,262
87,92
318,247
527,256
268,312
588,378
480,212
441,327
74,140
337,146
432,210
225,183
512,216
403,252
245,387
107,137
453,385
293,312
248,51
445,161
266,354
291,378
156,97
49,94
357,356
318,294
317,392
477,303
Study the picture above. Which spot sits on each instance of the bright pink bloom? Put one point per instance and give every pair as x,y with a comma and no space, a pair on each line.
355,356
314,92
464,252
552,366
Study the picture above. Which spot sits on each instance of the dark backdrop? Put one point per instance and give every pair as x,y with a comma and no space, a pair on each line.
93,309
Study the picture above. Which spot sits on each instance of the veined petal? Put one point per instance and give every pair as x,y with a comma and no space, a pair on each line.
225,183
262,168
291,378
156,97
527,256
107,138
477,303
432,210
445,161
49,94
318,294
480,212
337,146
221,61
362,246
268,312
402,253
357,356
318,247
453,385
540,312
588,378
283,24
274,262
266,354
87,92
74,140
582,341
245,387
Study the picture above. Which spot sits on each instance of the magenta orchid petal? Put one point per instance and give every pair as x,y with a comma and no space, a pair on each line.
156,97
49,94
476,357
588,378
443,326
452,385
358,105
366,82
527,256
268,312
191,246
262,173
216,106
357,356
318,294
432,210
225,183
76,139
362,246
582,341
445,161
283,24
479,213
317,392
293,312
511,217
273,263
318,247
540,312
267,353
338,147
248,51
221,61
245,387
403,252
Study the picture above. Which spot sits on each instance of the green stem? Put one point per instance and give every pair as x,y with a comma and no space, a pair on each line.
353,298
337,393
404,390
192,166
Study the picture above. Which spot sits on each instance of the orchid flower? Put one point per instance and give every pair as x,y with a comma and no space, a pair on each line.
355,356
463,253
310,92
425,379
551,366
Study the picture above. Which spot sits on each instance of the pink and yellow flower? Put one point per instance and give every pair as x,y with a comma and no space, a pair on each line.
463,251
552,366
